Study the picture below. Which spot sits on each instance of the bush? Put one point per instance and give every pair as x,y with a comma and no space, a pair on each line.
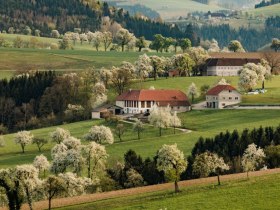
54,46
272,156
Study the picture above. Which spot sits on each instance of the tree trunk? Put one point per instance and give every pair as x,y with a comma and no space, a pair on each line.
263,84
138,135
29,200
122,47
22,148
174,129
219,182
192,97
50,203
160,131
89,166
176,187
248,175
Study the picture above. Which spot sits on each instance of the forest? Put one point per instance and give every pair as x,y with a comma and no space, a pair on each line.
66,15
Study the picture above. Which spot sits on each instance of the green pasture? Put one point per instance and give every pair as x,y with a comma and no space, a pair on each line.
268,11
202,123
256,193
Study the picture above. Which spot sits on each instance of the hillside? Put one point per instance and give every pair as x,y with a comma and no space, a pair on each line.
235,193
171,8
268,11
68,15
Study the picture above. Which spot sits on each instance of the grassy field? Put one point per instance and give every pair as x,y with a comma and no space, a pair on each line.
257,193
182,83
172,8
70,60
203,123
268,11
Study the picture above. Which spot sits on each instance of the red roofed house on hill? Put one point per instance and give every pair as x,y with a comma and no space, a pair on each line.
141,101
222,95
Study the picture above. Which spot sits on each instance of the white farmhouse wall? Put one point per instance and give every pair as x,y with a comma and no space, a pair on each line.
225,98
223,70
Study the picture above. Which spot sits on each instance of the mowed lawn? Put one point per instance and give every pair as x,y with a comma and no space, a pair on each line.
68,60
182,83
202,123
257,193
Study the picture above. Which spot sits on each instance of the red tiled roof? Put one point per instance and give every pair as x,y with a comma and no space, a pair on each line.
163,97
219,88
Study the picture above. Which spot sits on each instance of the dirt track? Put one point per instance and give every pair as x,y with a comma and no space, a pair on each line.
140,190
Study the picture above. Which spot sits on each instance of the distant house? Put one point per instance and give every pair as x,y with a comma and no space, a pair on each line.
103,111
141,101
174,73
222,95
227,66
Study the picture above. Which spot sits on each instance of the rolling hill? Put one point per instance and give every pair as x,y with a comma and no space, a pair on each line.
171,8
268,11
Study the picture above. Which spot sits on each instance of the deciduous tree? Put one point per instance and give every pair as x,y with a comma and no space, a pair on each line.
171,160
100,134
23,138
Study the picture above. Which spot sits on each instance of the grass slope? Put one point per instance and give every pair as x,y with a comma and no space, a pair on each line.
203,123
173,8
42,59
268,11
182,83
257,193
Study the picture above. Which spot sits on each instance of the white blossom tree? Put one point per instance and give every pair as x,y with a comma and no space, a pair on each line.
175,121
100,134
55,34
75,37
247,79
252,159
83,38
95,158
23,138
223,81
107,39
214,46
138,127
207,163
28,176
192,91
160,117
172,161
59,135
41,163
99,95
97,39
123,37
89,36
143,67
105,77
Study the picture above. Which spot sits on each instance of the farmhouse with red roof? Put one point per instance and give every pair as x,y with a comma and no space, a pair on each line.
221,96
141,101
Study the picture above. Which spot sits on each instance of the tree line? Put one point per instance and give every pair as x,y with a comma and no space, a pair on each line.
251,39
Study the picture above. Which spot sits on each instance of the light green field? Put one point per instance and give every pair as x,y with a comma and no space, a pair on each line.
268,11
257,193
70,60
182,83
173,8
203,123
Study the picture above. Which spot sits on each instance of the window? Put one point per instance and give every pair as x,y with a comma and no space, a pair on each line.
236,98
142,104
148,104
230,91
230,98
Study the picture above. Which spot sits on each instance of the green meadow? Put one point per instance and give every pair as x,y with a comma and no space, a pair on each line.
256,193
205,123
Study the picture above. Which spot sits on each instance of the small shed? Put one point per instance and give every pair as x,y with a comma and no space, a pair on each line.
102,111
